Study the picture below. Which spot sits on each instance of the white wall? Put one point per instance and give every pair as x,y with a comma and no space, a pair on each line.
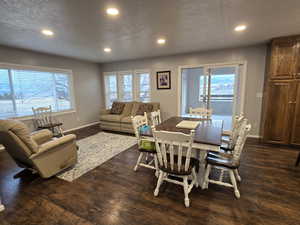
254,55
86,77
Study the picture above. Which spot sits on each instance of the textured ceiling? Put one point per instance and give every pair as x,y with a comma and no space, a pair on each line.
82,28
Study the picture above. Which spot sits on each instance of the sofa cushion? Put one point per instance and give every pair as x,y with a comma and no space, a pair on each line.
135,107
126,119
144,107
111,118
127,109
117,108
156,106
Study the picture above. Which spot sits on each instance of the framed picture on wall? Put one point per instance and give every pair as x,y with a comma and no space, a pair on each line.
163,79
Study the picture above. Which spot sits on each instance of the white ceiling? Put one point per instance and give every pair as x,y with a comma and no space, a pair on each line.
82,28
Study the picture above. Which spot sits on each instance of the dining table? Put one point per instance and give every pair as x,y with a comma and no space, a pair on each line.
208,137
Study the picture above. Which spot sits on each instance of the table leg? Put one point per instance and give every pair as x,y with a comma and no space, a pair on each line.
201,155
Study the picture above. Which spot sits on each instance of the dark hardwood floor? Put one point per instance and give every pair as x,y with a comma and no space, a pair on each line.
114,194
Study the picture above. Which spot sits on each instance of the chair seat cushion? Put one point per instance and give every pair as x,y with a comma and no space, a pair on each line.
219,155
152,151
225,149
194,163
223,162
149,145
111,118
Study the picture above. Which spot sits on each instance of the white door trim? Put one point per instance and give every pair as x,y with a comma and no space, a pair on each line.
243,77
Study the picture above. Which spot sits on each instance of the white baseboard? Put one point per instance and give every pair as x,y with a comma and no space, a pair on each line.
80,127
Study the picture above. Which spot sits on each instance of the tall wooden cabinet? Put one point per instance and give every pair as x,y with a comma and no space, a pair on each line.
281,100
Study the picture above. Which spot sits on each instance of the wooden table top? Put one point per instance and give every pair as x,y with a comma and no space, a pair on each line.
207,132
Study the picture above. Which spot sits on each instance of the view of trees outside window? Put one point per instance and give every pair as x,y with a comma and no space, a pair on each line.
121,86
127,92
29,89
6,102
144,93
111,93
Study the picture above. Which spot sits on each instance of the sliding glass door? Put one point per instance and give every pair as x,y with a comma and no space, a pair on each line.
211,87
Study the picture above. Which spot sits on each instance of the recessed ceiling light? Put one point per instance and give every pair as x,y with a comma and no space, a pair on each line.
47,32
112,11
107,49
161,41
240,28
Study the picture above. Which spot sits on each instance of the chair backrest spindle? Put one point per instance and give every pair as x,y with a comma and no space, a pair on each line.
166,145
155,117
138,122
42,116
238,121
241,140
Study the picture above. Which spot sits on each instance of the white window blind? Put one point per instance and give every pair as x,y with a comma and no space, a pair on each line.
127,86
21,89
143,86
125,80
111,92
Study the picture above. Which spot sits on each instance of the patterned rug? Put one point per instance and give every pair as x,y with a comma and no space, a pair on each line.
95,150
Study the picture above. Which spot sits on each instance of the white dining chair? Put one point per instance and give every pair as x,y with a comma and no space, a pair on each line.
228,164
174,158
155,117
227,150
202,113
138,123
229,137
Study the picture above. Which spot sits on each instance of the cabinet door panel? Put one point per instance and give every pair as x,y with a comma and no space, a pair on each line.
282,59
297,61
278,113
296,121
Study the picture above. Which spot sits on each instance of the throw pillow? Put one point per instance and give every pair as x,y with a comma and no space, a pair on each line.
117,108
147,145
144,108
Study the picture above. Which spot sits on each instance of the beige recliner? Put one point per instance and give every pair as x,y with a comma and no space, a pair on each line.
38,150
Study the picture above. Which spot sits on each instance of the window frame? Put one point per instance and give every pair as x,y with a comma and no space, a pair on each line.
10,66
120,90
135,83
105,74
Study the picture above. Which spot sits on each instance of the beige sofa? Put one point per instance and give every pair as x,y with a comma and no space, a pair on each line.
39,150
122,122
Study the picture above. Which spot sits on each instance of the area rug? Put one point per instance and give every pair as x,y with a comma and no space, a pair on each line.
95,150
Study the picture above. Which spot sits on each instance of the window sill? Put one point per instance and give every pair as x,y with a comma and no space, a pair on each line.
25,118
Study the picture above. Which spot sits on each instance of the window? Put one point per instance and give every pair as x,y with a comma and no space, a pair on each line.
144,88
22,89
127,86
111,94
